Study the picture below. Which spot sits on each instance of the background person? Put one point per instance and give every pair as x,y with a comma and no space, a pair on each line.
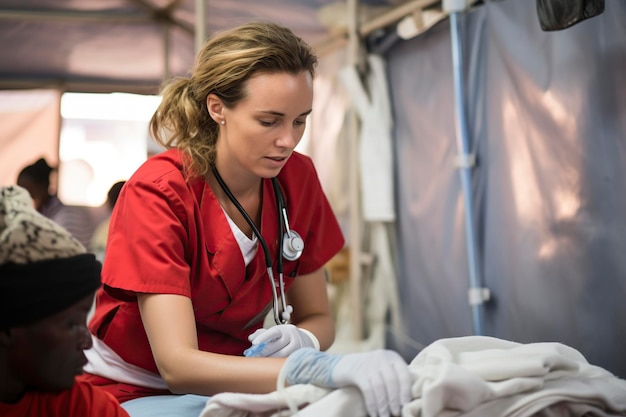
77,220
100,235
47,285
186,280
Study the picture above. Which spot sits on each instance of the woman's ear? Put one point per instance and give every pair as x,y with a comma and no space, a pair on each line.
215,106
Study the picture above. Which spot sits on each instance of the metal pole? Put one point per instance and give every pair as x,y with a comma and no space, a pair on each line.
200,33
167,72
476,295
355,201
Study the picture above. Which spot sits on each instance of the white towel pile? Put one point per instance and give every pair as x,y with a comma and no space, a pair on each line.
479,376
473,376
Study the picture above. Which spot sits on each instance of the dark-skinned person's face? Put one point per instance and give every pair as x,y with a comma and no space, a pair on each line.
49,354
38,192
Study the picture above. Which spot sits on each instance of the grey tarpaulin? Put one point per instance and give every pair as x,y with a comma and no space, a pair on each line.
547,119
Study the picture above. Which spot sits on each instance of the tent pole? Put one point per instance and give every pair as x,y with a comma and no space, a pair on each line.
167,72
353,178
200,32
465,161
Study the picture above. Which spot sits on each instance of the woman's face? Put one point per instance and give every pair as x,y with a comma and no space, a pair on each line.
261,131
48,355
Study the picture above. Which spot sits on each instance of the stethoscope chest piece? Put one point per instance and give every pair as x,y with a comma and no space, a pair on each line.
293,245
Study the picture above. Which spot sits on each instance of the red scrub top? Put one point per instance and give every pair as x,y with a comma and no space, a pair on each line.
82,399
169,236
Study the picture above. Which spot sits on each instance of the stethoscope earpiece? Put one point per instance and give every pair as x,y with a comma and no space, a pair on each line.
286,314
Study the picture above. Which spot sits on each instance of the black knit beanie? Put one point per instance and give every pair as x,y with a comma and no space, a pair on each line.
43,269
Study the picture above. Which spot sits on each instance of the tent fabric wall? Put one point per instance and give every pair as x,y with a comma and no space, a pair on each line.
30,123
133,45
546,113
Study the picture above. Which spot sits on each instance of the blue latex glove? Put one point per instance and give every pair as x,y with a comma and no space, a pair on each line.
382,376
280,341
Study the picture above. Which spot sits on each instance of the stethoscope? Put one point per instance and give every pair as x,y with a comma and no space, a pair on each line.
289,240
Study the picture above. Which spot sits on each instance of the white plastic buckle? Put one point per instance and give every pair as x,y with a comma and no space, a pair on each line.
455,5
478,296
467,160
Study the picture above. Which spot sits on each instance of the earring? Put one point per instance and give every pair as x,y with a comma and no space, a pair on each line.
223,122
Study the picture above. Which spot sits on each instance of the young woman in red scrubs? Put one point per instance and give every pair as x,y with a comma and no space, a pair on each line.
187,279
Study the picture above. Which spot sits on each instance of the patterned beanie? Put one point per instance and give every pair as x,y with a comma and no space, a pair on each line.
43,269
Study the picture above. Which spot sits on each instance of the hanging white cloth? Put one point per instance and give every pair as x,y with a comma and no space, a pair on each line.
375,164
375,146
370,98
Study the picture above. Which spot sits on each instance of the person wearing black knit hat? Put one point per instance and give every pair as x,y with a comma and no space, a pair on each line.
47,286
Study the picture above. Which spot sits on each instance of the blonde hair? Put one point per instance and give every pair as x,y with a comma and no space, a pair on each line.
223,67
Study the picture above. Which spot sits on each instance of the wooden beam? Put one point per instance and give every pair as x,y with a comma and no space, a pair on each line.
392,16
165,14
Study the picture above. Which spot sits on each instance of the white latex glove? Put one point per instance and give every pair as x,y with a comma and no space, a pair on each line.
280,341
382,376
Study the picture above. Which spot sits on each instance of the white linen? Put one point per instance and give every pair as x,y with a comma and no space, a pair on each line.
375,140
103,361
274,404
473,376
483,376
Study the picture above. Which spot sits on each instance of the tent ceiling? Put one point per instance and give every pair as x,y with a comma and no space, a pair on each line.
121,45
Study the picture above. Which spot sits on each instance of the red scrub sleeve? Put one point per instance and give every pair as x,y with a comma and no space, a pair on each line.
147,235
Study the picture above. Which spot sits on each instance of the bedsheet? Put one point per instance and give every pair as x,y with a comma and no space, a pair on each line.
472,376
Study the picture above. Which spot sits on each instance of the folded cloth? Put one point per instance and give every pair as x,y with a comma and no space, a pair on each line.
485,376
274,404
473,376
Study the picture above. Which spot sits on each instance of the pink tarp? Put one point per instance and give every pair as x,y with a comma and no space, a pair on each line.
30,123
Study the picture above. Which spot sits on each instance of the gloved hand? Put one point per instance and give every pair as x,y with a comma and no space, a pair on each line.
382,376
280,341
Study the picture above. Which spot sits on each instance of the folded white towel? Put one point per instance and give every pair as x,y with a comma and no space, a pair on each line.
473,376
485,376
274,404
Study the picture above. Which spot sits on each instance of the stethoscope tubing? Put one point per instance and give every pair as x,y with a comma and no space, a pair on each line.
282,211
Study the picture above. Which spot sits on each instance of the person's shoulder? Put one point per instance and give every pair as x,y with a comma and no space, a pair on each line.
89,400
299,175
300,165
163,175
163,165
298,158
82,399
52,207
